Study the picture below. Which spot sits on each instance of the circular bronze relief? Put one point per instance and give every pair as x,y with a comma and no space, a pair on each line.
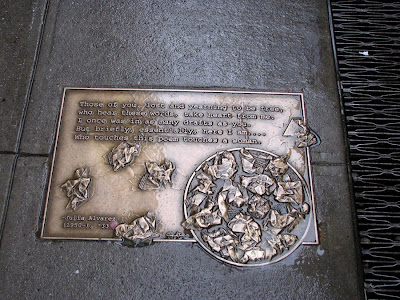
247,206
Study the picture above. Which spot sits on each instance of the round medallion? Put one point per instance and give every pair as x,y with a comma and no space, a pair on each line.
247,207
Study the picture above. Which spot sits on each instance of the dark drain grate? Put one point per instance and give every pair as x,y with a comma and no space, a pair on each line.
367,41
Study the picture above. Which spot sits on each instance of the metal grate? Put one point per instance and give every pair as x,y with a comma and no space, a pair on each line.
367,41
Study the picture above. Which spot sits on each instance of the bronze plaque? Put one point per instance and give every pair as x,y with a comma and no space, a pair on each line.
230,170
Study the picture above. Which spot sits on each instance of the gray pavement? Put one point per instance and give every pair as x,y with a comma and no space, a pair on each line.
280,46
20,25
7,162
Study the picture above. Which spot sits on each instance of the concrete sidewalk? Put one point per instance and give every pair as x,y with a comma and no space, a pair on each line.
275,46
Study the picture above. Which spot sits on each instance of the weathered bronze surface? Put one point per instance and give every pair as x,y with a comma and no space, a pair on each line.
230,170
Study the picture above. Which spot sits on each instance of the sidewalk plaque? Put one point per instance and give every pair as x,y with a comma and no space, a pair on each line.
229,170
